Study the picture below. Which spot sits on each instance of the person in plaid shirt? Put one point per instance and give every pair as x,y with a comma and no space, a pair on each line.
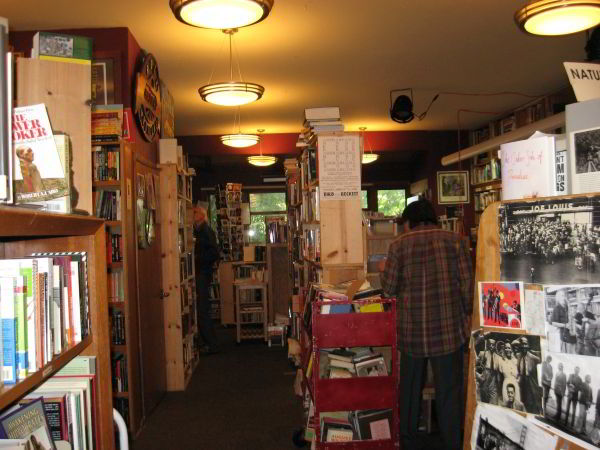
429,271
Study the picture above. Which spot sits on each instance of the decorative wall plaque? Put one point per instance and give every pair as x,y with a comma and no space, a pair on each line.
147,98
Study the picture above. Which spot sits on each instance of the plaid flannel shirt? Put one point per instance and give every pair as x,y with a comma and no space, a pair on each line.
429,270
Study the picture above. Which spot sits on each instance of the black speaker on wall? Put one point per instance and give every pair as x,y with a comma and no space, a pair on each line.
401,110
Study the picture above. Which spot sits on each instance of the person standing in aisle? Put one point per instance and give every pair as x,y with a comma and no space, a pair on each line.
429,271
206,254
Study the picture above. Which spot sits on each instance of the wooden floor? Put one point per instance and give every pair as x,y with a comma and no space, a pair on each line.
239,399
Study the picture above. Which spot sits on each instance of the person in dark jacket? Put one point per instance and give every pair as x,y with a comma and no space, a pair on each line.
206,254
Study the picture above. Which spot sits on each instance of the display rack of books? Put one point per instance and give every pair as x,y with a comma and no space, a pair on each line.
229,221
177,240
214,296
350,368
251,309
40,348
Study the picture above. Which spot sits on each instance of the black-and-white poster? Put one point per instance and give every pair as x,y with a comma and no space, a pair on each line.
497,428
506,370
571,396
550,241
573,319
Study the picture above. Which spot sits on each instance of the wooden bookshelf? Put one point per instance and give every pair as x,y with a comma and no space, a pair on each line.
120,223
179,285
47,232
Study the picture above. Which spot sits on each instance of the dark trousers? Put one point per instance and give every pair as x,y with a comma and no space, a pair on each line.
448,380
546,395
205,323
559,401
571,400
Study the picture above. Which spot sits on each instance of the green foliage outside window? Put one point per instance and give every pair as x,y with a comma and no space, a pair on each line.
364,204
391,202
262,205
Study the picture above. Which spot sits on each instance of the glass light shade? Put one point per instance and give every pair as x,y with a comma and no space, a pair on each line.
239,140
558,17
220,14
261,160
368,158
232,93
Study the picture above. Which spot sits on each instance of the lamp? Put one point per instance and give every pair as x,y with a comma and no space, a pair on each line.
402,109
239,140
231,93
368,158
221,14
261,160
558,17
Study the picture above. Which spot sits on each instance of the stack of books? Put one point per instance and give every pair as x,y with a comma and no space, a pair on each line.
361,425
62,47
355,362
319,120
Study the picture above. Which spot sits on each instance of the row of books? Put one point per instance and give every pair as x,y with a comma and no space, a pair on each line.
308,168
116,286
44,308
114,247
311,243
277,230
346,426
117,326
120,381
250,272
108,205
60,413
488,172
106,163
484,198
310,210
107,123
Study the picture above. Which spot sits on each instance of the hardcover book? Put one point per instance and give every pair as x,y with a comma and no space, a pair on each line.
62,47
39,173
28,422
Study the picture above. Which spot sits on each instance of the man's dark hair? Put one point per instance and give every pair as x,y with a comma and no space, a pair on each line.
420,212
510,385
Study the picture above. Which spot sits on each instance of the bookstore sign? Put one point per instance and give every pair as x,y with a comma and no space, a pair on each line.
339,167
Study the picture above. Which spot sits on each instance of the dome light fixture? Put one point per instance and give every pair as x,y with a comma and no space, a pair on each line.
231,93
367,158
221,14
558,17
262,160
240,140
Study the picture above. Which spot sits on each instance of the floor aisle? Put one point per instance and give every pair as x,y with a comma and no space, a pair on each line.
239,399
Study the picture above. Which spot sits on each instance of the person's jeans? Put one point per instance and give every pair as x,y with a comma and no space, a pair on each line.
448,380
205,323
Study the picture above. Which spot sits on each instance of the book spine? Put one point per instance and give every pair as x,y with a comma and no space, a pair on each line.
21,333
56,324
76,307
9,322
31,295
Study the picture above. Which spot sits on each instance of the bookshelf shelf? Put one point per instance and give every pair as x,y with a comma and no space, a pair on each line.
113,223
112,184
105,143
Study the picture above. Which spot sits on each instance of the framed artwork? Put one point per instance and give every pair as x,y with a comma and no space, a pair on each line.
453,187
106,76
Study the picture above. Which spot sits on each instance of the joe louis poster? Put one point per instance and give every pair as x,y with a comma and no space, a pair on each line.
550,241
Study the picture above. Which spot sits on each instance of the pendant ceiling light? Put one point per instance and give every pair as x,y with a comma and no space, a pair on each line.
261,160
221,14
558,17
231,93
367,158
239,140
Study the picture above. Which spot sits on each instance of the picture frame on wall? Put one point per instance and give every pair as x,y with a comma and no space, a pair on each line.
106,78
453,187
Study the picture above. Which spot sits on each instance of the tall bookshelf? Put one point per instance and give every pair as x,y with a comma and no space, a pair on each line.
111,204
46,232
179,284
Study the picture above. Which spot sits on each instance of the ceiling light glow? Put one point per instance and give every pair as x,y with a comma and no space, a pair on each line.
221,14
558,17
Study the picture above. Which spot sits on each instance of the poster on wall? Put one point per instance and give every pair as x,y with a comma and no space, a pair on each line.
550,241
339,167
501,304
506,370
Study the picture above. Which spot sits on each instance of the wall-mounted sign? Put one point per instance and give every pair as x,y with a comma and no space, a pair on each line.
147,98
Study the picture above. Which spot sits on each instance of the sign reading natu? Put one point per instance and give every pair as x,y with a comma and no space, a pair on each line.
147,98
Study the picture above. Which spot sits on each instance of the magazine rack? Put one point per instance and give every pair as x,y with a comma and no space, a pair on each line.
358,393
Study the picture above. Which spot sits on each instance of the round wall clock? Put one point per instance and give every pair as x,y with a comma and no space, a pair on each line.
147,98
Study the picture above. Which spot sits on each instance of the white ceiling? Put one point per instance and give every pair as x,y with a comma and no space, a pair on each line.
346,53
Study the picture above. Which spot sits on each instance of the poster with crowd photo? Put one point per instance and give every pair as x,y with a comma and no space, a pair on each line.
496,428
506,370
534,309
500,304
571,386
550,241
573,318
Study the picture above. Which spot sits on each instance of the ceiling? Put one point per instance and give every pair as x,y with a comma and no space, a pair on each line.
346,53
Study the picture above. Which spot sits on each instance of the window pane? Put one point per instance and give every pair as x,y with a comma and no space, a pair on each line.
363,200
391,202
270,201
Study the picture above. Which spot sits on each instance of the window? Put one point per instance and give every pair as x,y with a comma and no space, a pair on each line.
262,205
364,204
391,202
